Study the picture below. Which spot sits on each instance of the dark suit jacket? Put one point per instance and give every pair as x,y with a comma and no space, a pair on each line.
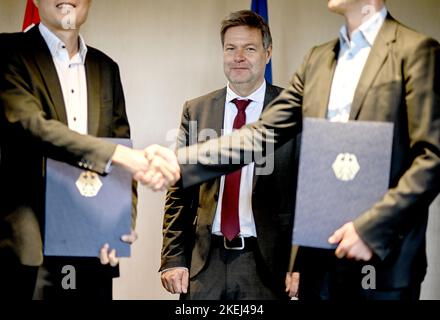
400,84
189,214
33,126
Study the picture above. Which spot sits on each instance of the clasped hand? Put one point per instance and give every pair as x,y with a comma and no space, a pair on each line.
155,166
163,168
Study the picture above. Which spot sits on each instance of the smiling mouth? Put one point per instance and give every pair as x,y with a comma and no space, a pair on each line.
66,5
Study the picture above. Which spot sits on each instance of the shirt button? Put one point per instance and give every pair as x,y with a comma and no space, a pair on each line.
74,119
64,47
73,91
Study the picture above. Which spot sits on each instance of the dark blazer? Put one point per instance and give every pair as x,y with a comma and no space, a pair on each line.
189,214
400,84
33,126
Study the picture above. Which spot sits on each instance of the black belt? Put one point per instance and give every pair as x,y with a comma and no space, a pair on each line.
238,243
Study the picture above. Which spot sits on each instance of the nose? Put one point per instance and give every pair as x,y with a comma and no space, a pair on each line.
239,56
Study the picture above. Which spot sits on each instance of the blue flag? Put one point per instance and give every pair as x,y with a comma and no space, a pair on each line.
260,7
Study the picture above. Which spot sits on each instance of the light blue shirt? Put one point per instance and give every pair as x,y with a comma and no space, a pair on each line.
352,58
58,49
253,112
72,76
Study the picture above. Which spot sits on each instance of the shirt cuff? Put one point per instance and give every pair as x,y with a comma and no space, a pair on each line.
167,269
108,168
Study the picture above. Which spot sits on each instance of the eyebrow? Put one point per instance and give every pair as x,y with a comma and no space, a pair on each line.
245,45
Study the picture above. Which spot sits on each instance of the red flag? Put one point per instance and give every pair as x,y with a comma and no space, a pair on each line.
31,16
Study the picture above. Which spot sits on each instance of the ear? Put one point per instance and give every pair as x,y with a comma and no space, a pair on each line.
268,54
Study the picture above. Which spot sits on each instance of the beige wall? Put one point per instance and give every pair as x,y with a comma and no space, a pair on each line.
169,51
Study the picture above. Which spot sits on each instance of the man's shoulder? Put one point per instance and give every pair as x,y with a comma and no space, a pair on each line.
321,51
208,98
274,90
219,96
4,36
12,40
410,37
325,47
99,55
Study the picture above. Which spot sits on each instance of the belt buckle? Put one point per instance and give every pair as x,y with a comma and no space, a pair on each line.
241,247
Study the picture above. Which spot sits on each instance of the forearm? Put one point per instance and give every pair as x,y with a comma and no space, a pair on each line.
253,143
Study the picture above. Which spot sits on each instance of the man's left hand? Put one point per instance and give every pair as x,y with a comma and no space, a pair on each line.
350,245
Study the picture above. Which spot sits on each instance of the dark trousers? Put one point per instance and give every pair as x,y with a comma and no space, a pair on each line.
324,277
17,282
232,275
67,278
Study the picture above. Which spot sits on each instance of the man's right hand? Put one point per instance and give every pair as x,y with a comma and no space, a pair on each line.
130,159
155,167
175,280
164,169
292,284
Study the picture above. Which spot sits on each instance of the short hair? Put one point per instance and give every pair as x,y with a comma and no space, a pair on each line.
250,19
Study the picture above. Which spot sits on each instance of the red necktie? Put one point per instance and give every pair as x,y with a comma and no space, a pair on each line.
230,224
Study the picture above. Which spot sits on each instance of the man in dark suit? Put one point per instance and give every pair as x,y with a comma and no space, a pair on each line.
198,259
56,95
395,80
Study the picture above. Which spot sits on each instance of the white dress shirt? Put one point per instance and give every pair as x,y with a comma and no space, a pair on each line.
352,58
253,112
72,76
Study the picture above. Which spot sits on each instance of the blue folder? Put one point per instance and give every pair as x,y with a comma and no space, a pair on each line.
82,214
344,169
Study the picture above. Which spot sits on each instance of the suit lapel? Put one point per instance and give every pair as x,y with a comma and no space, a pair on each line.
93,94
271,94
48,73
215,122
376,60
328,73
318,104
216,119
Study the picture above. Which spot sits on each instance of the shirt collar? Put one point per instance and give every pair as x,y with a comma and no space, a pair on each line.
367,31
56,46
256,96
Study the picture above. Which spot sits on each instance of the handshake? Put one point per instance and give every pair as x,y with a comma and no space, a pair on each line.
155,166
